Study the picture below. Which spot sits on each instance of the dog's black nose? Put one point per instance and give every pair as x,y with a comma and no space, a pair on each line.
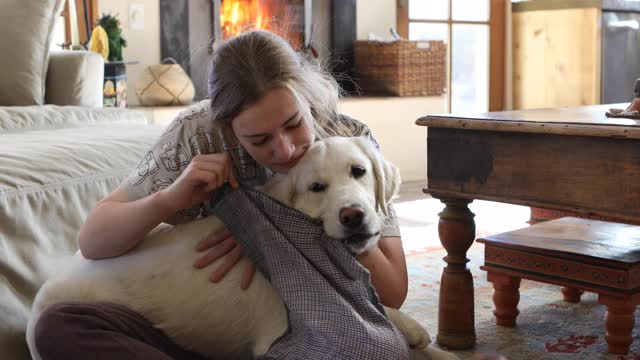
351,217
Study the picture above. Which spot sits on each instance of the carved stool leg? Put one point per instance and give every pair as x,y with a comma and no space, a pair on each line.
456,329
506,295
571,294
619,322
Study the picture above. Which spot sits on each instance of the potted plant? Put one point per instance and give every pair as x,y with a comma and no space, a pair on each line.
115,72
111,26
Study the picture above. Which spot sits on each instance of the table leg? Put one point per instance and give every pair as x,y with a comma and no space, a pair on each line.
457,231
506,295
619,321
571,294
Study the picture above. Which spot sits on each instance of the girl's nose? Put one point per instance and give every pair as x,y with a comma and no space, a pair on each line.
284,149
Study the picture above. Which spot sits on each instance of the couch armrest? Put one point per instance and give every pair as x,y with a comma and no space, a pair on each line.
75,78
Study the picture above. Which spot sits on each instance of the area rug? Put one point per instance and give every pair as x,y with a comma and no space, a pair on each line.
547,327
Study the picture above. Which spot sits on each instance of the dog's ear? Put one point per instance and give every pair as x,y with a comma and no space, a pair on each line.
387,175
281,187
391,181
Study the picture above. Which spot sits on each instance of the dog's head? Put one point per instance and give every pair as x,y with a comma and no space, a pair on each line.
347,184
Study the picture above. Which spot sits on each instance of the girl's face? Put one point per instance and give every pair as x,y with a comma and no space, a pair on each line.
274,131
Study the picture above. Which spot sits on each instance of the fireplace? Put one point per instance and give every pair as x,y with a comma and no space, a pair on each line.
290,19
323,28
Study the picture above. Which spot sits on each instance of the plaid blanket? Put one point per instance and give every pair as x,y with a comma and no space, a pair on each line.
333,310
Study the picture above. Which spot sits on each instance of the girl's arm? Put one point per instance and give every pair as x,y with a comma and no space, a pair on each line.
387,265
115,225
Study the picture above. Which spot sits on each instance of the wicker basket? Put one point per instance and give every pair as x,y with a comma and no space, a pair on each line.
164,85
403,68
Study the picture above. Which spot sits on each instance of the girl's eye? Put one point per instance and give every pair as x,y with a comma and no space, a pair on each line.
317,187
294,126
261,142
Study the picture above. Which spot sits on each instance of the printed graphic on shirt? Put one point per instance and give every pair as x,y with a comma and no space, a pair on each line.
173,156
146,167
159,184
196,113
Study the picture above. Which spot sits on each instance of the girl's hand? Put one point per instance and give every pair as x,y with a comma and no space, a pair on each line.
219,244
205,173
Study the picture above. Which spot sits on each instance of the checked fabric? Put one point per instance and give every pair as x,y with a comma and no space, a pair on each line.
333,310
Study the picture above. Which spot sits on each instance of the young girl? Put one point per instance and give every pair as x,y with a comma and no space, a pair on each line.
267,104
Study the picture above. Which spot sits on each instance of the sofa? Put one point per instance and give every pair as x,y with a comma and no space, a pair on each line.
60,153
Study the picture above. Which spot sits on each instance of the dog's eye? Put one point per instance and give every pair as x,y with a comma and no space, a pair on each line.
357,171
318,187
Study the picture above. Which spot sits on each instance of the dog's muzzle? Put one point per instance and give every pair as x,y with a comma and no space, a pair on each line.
352,219
357,233
360,238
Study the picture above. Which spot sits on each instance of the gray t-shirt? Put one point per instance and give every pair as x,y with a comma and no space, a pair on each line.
192,133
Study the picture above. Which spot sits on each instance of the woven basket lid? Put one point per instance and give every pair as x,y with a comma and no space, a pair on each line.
164,85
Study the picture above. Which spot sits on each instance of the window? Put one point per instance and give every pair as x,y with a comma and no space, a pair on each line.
86,17
474,32
58,39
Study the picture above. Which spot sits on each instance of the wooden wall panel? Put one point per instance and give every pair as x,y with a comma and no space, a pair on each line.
402,15
556,58
497,34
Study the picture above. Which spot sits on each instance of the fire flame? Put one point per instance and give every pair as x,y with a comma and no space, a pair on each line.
239,15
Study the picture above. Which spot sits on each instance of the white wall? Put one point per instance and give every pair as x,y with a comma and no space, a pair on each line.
375,16
392,122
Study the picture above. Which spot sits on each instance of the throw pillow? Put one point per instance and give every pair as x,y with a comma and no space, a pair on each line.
26,27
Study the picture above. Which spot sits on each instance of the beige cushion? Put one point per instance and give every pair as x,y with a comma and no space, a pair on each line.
75,78
26,27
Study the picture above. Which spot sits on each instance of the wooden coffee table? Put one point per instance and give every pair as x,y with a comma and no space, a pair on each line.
571,159
579,254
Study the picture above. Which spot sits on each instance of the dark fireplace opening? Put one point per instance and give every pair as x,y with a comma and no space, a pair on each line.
323,28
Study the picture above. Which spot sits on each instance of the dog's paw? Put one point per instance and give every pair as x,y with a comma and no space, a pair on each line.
416,335
433,353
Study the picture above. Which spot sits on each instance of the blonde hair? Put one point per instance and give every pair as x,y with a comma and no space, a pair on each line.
243,68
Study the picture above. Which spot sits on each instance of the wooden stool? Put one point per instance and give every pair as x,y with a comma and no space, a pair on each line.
579,254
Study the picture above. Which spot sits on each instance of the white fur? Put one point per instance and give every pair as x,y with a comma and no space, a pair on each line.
157,279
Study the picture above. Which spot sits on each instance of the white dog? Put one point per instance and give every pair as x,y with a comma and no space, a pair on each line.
339,180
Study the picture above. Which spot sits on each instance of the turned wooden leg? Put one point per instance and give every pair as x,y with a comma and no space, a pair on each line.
457,231
506,295
571,294
619,322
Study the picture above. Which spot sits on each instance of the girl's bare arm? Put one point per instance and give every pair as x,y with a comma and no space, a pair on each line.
387,265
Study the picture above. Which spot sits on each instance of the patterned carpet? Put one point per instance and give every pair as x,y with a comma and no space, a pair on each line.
547,327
